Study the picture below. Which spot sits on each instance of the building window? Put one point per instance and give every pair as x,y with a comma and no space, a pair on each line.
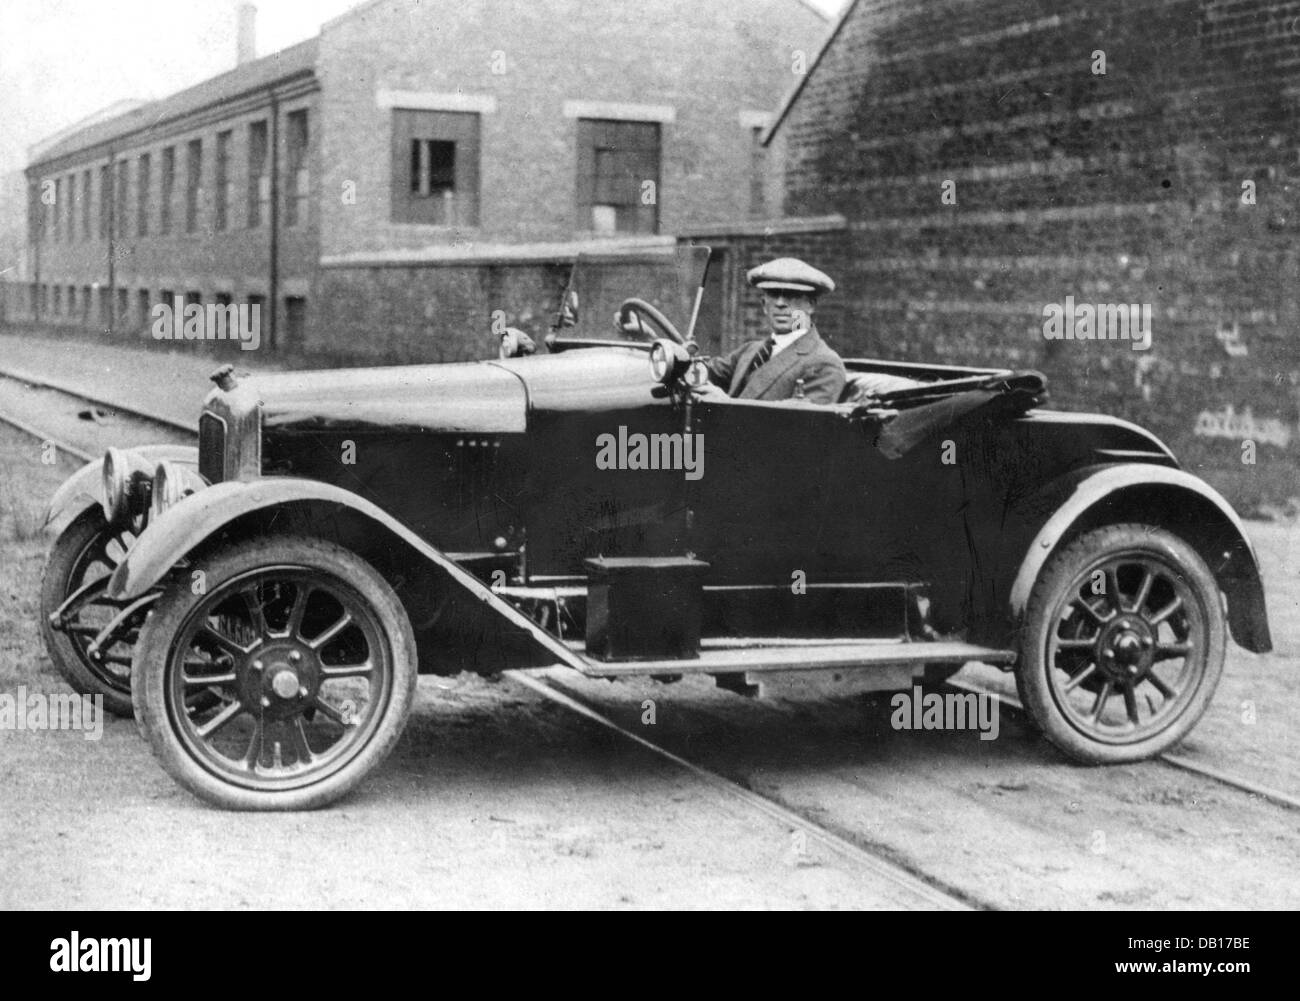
120,193
87,196
56,210
143,184
299,177
105,202
142,303
225,185
757,175
436,168
70,215
295,320
618,176
193,184
72,300
86,304
165,196
259,175
58,300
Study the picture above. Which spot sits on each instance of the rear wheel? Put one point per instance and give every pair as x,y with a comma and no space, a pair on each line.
82,559
1123,644
284,683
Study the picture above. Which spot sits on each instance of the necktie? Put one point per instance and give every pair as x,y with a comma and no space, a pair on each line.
760,359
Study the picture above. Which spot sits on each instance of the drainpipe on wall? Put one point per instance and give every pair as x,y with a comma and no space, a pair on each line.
112,232
273,278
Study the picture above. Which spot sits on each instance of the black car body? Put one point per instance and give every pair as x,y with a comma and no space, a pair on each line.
508,514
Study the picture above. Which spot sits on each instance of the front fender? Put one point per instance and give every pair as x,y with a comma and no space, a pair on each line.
1172,499
196,518
84,488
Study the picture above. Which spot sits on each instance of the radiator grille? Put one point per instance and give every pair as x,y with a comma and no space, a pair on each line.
212,447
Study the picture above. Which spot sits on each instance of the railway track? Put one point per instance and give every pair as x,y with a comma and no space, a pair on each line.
912,887
1177,761
31,401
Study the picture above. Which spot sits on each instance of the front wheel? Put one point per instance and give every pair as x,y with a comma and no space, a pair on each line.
72,592
282,684
1122,645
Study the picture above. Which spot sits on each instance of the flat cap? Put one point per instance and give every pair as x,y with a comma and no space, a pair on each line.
791,274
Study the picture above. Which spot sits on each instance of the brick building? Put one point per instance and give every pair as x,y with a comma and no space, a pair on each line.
411,131
992,157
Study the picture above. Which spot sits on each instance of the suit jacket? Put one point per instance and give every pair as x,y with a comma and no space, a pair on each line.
809,358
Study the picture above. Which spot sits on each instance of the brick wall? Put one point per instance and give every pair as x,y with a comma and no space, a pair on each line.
1117,188
706,61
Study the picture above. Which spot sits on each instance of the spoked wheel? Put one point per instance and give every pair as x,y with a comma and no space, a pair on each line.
80,563
284,683
1123,644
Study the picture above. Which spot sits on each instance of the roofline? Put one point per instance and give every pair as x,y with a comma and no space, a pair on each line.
793,94
70,132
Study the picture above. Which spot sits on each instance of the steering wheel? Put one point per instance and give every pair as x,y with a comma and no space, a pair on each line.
631,317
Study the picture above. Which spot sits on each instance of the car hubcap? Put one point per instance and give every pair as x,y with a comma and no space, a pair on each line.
278,678
1128,648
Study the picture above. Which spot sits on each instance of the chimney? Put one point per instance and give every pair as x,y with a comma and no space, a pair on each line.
246,34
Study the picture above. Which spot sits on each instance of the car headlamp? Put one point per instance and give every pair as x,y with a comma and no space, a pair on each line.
172,483
668,361
127,485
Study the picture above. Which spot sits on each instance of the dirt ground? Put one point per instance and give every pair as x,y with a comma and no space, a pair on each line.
497,797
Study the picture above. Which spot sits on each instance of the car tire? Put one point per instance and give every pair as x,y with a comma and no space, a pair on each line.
1106,620
85,544
273,675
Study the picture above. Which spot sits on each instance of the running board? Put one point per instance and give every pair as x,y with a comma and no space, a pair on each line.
756,656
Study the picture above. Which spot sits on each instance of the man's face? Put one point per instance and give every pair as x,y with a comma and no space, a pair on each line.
786,310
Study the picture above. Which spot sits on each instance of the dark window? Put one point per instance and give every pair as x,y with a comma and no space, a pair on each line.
86,304
56,210
193,184
618,176
72,300
58,300
298,181
225,185
87,196
123,306
435,168
757,175
35,215
143,184
144,305
105,305
70,215
165,195
121,191
295,320
259,175
105,200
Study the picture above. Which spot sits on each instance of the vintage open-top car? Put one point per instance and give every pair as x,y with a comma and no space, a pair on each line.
264,605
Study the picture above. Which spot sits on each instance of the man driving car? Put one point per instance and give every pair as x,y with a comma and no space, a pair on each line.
792,362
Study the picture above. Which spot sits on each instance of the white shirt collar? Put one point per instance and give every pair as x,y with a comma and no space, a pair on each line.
782,341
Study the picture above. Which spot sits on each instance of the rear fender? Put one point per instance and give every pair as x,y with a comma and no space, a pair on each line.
197,518
1169,498
84,489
